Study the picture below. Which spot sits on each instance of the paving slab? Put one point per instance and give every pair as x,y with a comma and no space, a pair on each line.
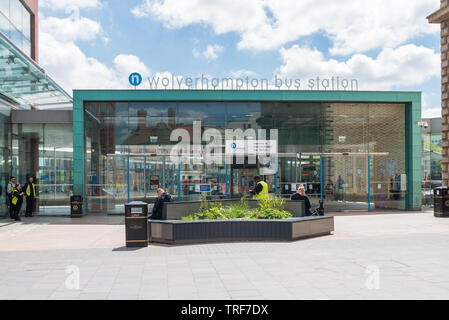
378,256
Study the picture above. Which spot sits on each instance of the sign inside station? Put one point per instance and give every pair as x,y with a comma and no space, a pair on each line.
203,188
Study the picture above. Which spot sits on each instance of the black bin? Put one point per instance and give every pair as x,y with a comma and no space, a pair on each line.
441,202
136,224
76,206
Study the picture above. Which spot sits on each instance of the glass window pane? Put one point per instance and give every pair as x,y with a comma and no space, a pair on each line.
5,26
16,14
26,46
26,23
16,37
4,8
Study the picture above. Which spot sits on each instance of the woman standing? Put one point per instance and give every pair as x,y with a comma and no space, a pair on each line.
16,201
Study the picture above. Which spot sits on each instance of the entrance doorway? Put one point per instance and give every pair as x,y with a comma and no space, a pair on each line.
346,182
147,174
242,178
130,178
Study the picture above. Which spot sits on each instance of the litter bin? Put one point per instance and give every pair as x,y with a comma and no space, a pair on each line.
441,202
136,224
76,206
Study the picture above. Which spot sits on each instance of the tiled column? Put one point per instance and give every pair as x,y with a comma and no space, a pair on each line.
442,17
445,99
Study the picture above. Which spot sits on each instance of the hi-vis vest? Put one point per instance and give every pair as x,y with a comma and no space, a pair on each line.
28,191
10,187
14,197
264,193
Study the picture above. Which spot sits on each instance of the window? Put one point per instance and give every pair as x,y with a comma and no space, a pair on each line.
15,24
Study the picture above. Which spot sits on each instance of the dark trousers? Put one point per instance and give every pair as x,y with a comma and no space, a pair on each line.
11,209
16,212
29,207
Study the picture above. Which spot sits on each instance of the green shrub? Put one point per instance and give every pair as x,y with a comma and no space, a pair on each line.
269,214
268,209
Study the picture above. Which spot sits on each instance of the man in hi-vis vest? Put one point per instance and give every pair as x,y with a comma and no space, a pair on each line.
11,185
30,193
261,189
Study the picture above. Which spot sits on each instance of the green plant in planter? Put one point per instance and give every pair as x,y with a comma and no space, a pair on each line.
268,209
269,214
238,210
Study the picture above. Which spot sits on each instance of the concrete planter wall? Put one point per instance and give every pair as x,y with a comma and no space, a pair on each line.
200,231
177,210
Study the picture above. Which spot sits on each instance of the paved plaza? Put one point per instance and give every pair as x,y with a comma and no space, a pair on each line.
382,256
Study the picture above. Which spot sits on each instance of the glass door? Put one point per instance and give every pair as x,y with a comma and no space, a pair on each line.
149,173
137,181
345,182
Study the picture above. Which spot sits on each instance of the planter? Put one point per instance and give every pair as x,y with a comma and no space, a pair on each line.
203,231
177,210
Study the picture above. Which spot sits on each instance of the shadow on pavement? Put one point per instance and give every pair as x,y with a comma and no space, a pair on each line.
128,249
67,220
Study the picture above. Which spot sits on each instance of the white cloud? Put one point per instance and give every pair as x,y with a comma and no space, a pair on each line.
69,4
64,61
71,68
196,53
431,105
70,29
212,51
243,73
125,64
431,113
408,65
353,26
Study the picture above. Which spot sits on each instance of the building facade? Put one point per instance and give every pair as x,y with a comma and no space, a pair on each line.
441,17
18,22
431,158
354,150
27,148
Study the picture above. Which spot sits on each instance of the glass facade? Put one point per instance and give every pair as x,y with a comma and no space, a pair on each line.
45,152
353,155
5,152
15,24
431,158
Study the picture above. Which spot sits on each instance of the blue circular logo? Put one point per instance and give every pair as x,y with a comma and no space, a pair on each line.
234,145
135,79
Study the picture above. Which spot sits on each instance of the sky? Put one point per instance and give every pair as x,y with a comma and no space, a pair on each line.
384,44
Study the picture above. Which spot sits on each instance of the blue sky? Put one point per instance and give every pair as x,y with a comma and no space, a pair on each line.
99,42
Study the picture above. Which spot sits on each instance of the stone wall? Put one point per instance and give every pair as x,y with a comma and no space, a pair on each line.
441,16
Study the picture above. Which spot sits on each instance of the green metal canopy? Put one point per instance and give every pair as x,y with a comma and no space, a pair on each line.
23,81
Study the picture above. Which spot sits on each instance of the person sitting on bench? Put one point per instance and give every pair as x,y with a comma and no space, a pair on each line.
162,197
301,195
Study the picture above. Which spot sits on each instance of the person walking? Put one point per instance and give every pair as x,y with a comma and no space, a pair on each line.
329,190
29,189
16,201
11,185
261,189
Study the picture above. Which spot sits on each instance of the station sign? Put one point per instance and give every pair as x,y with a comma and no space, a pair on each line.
253,147
262,147
202,188
236,147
